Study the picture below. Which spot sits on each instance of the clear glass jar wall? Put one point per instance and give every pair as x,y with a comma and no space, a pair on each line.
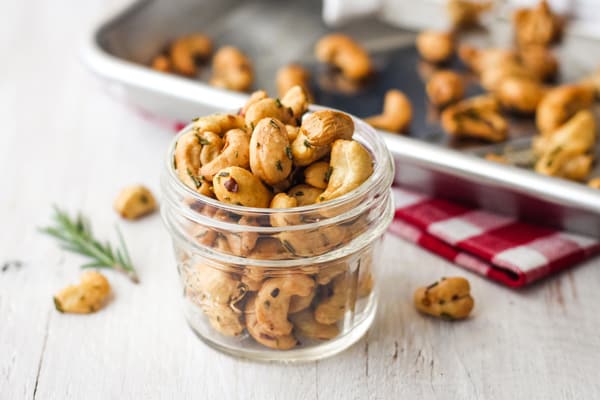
273,284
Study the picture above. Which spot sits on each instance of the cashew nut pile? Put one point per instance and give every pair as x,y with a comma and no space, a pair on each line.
87,297
449,298
231,68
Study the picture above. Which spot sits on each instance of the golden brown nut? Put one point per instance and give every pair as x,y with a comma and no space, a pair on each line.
317,174
235,185
560,104
344,53
465,13
477,117
445,87
540,61
270,152
449,298
268,108
258,332
536,26
187,162
187,50
305,194
594,183
435,47
481,59
255,97
282,200
324,127
87,297
343,295
232,70
213,285
161,63
521,95
234,152
292,75
299,303
306,325
396,115
134,202
218,123
297,100
224,319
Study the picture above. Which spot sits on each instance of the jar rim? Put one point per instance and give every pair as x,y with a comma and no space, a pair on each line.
382,160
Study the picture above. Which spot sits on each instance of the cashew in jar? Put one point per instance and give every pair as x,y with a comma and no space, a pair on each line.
328,272
187,50
477,117
291,75
445,87
332,308
224,319
313,242
560,104
305,194
236,185
306,325
282,200
212,144
317,174
299,303
255,97
351,165
87,297
268,108
521,95
297,100
448,298
134,202
232,70
218,123
396,115
257,331
187,162
270,151
305,153
292,132
273,301
269,248
242,243
324,127
234,153
344,53
434,46
215,286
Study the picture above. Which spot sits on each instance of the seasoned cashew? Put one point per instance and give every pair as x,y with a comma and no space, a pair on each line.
521,95
282,200
218,123
560,104
565,153
234,153
242,243
313,242
269,248
396,115
299,303
297,100
481,59
134,202
305,194
212,144
257,331
449,298
537,25
594,183
232,70
305,153
317,174
351,165
235,185
344,53
539,61
187,162
465,13
328,272
215,286
87,297
161,63
273,301
292,132
292,75
324,127
445,87
268,108
224,319
332,308
255,97
187,50
435,47
477,117
306,325
270,152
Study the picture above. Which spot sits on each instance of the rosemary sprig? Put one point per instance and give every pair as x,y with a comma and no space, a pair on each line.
75,235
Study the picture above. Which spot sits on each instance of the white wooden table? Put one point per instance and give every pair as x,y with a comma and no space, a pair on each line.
64,141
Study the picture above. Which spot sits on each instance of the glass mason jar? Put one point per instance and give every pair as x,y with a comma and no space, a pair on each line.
281,284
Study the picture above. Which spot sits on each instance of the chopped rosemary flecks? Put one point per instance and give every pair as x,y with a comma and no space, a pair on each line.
273,124
252,125
195,119
288,246
75,235
202,140
278,165
328,174
197,180
224,173
299,193
434,284
307,143
278,103
288,152
236,154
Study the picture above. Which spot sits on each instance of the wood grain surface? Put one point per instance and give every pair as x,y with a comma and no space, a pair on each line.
64,141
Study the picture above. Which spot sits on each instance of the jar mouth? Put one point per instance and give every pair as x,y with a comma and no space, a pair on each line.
364,134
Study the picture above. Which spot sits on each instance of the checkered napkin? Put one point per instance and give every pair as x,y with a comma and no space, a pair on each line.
501,248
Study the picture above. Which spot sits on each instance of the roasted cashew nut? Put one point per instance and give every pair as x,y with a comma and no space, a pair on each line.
235,185
242,243
435,47
292,132
328,272
232,70
305,194
313,242
273,302
521,95
187,50
396,115
317,174
282,200
134,202
477,117
351,165
270,152
224,319
255,97
560,104
324,127
87,297
269,248
306,325
214,286
212,144
187,162
305,153
332,308
344,53
299,303
449,298
234,153
297,100
218,123
445,87
256,330
292,75
268,108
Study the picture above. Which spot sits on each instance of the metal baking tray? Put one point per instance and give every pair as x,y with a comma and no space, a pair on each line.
274,33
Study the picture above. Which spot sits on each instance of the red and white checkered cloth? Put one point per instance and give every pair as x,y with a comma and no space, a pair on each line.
500,248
